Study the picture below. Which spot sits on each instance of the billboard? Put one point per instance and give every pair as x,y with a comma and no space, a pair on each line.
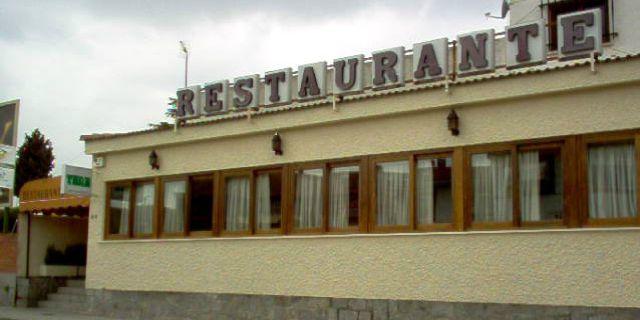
75,180
9,122
9,111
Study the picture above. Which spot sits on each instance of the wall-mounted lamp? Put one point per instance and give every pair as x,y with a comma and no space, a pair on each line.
453,122
153,160
276,144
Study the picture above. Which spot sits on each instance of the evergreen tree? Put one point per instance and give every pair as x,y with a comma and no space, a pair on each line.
34,159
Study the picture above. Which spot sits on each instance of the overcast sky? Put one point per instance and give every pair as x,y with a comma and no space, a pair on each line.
83,67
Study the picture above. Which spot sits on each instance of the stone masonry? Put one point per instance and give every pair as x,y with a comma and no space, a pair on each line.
195,306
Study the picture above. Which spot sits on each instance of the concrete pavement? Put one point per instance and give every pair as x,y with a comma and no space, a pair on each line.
10,313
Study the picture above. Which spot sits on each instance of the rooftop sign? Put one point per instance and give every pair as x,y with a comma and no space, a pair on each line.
579,35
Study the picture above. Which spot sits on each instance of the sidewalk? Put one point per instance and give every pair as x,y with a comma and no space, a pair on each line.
9,313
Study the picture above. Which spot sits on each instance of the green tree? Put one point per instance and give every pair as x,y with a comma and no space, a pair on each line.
34,159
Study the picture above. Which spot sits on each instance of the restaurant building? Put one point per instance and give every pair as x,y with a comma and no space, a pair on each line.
485,177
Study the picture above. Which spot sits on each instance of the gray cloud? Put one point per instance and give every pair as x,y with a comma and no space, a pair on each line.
104,66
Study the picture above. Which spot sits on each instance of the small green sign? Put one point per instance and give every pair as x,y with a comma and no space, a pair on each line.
78,181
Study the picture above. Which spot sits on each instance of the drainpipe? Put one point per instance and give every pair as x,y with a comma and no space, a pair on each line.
28,242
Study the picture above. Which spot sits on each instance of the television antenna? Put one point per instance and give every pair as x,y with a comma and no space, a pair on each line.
185,50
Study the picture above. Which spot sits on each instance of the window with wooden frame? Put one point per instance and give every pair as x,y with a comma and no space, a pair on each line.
187,206
144,193
412,192
434,192
309,201
511,185
346,187
252,201
611,179
556,8
328,197
268,201
236,207
118,211
174,207
200,218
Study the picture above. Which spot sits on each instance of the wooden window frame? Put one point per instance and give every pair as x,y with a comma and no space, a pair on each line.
107,217
606,139
362,195
435,226
566,185
373,193
292,199
283,190
161,217
499,148
222,216
202,233
569,205
154,217
573,151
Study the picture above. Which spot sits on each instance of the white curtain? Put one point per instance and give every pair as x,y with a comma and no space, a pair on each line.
308,206
393,193
339,194
143,213
492,191
529,169
425,192
612,181
122,206
263,202
174,193
237,204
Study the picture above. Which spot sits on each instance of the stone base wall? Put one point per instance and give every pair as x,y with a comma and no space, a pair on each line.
33,289
170,306
7,288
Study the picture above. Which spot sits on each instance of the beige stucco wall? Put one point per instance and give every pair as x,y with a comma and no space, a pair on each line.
45,230
566,267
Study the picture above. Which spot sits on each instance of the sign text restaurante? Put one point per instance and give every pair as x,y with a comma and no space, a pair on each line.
579,35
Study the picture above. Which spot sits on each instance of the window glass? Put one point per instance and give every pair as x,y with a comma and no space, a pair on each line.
268,200
143,212
344,196
492,189
201,204
174,194
119,210
392,192
309,199
612,181
237,204
540,175
433,191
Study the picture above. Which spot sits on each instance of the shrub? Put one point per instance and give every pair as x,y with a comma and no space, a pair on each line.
73,255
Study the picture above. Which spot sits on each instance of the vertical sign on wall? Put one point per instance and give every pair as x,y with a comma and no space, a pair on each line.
216,97
277,87
312,80
476,52
188,103
348,74
526,44
388,67
579,34
431,60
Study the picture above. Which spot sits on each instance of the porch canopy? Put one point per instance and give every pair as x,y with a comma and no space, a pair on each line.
44,196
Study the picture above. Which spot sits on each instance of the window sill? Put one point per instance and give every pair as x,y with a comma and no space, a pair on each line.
380,235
